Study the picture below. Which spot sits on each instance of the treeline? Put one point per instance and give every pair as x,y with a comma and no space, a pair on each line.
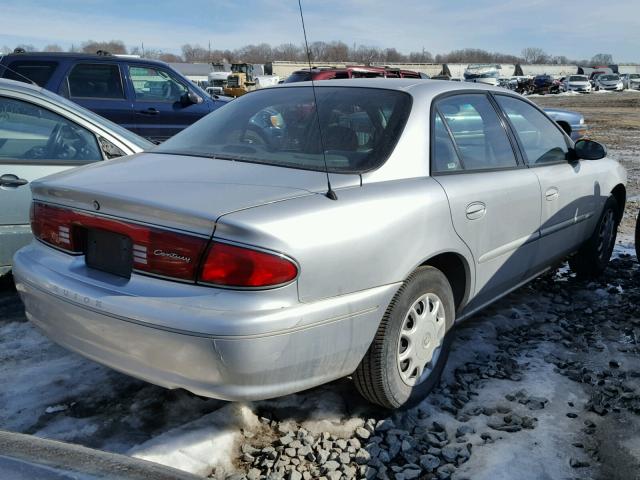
322,52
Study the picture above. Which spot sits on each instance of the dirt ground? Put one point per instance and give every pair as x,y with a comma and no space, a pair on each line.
614,120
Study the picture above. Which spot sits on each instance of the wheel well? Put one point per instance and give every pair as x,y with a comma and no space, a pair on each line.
455,269
620,194
565,126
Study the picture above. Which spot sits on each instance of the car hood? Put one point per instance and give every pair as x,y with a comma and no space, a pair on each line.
609,82
182,192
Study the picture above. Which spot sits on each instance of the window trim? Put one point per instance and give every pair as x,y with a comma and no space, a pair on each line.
117,65
432,124
52,161
511,127
158,68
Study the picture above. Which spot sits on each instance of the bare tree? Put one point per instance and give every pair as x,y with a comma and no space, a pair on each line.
534,55
53,48
170,58
195,53
289,51
602,59
113,46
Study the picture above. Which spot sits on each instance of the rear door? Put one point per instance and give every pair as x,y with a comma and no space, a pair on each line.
99,87
158,104
494,199
34,142
569,189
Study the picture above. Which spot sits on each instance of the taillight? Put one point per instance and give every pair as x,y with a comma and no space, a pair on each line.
166,253
235,266
155,251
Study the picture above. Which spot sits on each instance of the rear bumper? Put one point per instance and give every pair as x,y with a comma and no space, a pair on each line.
271,361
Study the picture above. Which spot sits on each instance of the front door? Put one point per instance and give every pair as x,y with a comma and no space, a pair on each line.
160,107
34,142
569,189
494,199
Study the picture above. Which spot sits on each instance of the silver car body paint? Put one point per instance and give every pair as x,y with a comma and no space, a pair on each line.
15,231
353,255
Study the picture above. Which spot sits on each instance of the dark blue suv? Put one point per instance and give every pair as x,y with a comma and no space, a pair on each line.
146,96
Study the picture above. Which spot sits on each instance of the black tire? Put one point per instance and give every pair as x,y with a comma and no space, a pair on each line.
378,377
593,256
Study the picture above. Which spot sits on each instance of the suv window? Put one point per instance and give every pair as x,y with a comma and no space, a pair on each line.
540,138
480,137
95,80
37,71
152,84
30,132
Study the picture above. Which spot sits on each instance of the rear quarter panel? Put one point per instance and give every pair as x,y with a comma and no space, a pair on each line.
373,235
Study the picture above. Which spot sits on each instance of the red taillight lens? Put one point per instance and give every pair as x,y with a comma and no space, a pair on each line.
235,266
155,251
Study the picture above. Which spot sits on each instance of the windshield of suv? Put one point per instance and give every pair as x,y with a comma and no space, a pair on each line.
279,126
608,77
578,78
634,75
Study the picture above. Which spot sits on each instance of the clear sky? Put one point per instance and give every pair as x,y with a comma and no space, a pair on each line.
574,28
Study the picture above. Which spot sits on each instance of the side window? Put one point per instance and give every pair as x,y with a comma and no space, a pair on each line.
480,137
37,71
95,80
29,132
444,157
540,138
151,84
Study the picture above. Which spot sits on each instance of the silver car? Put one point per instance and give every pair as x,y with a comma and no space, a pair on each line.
42,133
272,247
608,82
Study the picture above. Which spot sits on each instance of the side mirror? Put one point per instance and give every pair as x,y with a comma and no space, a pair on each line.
589,150
190,98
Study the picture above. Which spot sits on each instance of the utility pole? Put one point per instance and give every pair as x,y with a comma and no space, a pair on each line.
142,49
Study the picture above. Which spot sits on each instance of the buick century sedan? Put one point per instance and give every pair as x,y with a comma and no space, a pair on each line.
274,246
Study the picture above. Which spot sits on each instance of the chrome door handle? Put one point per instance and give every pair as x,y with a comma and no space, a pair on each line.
476,210
551,194
11,180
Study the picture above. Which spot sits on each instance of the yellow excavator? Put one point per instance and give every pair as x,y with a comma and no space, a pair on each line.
240,81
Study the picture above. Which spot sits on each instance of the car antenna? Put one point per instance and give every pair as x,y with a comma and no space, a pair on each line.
19,74
331,194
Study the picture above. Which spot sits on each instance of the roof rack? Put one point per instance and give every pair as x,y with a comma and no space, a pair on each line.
104,53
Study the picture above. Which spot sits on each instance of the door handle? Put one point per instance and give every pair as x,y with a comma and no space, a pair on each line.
476,210
551,194
149,111
11,180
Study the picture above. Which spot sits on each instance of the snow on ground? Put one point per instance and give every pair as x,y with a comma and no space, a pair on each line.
501,386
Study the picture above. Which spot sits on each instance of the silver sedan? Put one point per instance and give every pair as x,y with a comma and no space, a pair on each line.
273,246
42,133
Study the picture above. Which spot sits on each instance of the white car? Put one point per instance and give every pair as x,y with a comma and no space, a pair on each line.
609,82
631,80
576,83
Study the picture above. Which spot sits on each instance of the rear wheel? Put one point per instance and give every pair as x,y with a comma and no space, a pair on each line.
412,343
592,258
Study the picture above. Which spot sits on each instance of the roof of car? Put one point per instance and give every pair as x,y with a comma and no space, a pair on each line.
83,56
413,85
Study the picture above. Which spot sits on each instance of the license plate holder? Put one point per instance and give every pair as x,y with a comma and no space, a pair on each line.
109,252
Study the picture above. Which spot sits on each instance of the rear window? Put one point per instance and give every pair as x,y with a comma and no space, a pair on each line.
298,77
36,71
359,128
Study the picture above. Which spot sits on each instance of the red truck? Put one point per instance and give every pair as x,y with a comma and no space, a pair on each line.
352,71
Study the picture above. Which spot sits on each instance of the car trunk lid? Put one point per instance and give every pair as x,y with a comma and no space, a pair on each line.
179,192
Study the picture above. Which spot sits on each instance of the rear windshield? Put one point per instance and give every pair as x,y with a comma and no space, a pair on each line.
36,71
359,128
298,77
577,78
